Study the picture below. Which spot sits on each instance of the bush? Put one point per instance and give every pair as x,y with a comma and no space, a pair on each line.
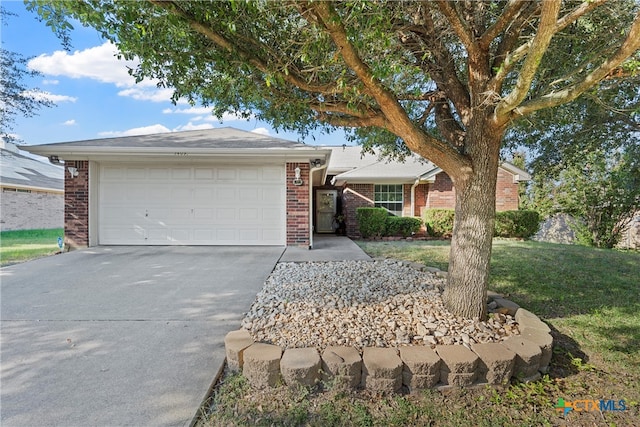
522,224
371,221
439,222
402,226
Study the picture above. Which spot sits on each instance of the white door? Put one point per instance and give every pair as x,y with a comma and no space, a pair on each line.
325,210
191,205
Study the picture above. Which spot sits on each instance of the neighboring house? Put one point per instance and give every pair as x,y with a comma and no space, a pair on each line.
31,192
206,187
406,188
230,187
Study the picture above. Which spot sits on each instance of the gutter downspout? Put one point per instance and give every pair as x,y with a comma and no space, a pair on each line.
311,172
413,197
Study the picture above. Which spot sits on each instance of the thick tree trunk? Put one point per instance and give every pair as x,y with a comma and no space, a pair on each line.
466,291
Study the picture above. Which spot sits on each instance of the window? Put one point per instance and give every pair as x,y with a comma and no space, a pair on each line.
389,196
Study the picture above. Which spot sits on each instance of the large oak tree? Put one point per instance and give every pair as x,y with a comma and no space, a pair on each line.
442,79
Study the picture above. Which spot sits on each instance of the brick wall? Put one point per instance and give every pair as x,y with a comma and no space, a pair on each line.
298,227
355,196
441,194
76,205
506,192
30,210
420,194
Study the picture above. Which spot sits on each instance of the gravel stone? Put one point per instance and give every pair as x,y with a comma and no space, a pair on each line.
381,303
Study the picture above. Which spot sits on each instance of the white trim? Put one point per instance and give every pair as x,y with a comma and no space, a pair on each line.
94,197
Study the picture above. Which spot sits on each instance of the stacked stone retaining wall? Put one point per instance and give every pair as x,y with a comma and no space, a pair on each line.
524,356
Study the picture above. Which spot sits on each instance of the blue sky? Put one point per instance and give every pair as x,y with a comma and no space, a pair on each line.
94,95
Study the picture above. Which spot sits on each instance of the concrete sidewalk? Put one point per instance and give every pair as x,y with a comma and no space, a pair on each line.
326,247
115,336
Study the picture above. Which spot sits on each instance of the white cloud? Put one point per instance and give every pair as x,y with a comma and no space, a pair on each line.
157,128
204,113
96,63
191,110
48,96
71,122
148,94
145,130
50,82
261,131
191,126
100,63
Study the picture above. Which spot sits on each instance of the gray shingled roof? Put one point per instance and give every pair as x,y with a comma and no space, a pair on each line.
25,172
218,138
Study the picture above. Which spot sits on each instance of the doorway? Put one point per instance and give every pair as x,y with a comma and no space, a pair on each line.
326,210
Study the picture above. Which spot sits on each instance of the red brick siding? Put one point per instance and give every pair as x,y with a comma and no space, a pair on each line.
421,199
76,205
420,193
298,227
355,196
441,194
506,192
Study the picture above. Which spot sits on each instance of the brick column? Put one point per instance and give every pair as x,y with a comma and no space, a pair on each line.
298,205
76,205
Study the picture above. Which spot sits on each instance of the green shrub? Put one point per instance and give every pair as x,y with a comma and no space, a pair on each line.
371,221
439,222
402,226
522,224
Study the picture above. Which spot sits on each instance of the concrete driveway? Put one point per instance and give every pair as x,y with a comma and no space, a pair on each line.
115,336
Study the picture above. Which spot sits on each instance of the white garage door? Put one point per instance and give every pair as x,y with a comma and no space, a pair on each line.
191,205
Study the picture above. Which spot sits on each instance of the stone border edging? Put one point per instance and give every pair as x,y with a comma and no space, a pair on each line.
523,356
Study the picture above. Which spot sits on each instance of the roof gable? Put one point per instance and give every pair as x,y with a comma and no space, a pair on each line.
350,164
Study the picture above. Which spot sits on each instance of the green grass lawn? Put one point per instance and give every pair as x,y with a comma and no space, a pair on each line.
23,245
590,298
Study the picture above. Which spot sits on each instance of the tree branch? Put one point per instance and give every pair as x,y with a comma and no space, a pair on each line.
442,68
513,8
396,119
458,25
568,94
512,59
222,42
539,44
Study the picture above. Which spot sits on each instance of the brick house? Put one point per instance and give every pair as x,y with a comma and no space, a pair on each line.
404,188
206,187
31,192
230,187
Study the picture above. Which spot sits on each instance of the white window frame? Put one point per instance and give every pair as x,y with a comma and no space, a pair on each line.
385,202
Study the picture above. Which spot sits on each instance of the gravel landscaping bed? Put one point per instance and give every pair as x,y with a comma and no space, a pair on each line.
382,303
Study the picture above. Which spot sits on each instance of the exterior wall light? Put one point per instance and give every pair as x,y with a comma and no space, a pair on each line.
297,180
73,171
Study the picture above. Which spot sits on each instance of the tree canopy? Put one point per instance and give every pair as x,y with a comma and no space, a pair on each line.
441,79
16,98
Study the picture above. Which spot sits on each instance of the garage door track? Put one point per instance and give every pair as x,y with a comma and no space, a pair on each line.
115,336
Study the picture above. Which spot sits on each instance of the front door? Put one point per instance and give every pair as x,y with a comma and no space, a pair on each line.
325,210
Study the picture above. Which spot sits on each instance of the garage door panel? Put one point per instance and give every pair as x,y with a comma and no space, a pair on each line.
136,173
209,205
249,176
204,174
159,173
226,174
272,174
181,173
248,194
123,235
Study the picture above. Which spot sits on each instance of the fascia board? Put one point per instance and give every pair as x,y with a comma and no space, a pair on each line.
166,153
